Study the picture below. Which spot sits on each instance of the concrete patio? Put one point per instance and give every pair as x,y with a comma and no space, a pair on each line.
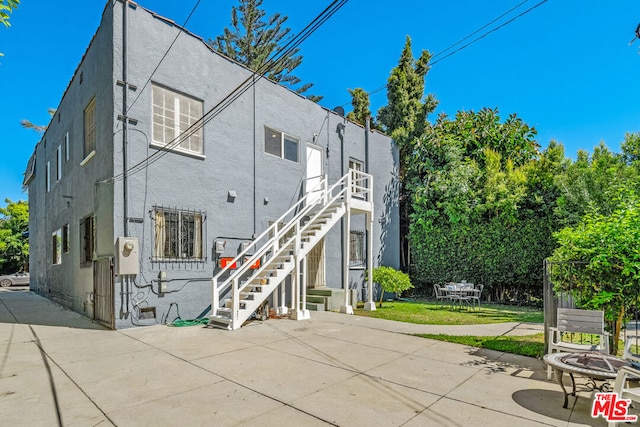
58,368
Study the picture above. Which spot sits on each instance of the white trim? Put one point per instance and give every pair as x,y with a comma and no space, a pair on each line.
89,157
59,163
177,150
48,177
66,147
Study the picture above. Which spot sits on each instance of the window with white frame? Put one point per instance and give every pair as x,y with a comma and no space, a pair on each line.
56,247
358,166
90,128
173,115
178,234
48,177
67,155
356,248
58,163
280,144
87,240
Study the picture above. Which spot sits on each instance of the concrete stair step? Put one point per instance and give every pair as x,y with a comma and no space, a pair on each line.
321,292
315,306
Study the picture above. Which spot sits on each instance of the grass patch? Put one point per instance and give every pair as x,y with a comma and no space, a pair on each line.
528,345
430,313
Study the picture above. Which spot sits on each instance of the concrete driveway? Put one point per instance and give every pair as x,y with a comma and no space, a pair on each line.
58,368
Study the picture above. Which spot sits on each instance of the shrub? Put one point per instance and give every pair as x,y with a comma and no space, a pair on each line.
391,280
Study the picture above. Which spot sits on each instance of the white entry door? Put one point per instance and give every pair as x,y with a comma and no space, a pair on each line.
314,170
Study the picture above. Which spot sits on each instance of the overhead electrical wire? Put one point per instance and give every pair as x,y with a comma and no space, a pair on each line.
491,31
431,64
276,58
479,29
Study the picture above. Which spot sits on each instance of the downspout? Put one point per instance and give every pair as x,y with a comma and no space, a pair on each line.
254,159
369,235
125,128
125,204
341,129
367,129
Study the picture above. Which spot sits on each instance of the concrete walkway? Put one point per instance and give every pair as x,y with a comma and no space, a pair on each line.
58,368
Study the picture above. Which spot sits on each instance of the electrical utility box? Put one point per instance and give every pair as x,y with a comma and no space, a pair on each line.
127,262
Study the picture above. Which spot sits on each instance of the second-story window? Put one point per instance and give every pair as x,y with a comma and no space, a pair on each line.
59,163
90,128
280,144
173,116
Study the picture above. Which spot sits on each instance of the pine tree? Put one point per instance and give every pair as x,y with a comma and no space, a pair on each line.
253,39
360,103
404,117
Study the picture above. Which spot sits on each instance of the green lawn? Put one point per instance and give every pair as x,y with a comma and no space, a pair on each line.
430,313
528,345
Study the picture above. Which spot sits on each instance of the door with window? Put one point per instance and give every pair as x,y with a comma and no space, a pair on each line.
314,171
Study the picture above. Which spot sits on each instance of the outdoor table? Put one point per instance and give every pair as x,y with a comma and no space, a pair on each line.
460,293
592,364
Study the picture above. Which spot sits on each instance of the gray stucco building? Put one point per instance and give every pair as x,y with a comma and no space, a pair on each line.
155,173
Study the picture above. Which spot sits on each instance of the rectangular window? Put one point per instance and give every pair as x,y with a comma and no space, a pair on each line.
87,240
90,128
173,115
358,166
48,176
356,249
56,246
178,234
66,242
58,163
280,144
67,155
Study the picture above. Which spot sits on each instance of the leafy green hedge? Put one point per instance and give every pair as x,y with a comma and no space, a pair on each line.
506,260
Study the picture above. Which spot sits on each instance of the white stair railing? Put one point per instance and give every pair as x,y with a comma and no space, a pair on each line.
282,238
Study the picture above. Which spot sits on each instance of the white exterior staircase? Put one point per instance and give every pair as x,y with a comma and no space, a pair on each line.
281,250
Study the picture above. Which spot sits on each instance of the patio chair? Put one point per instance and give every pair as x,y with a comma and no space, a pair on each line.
629,343
460,294
441,297
626,386
476,295
589,323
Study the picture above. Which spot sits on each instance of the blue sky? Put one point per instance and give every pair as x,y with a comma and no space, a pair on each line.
565,68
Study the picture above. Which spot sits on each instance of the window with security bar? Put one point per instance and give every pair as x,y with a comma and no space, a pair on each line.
356,249
173,117
178,234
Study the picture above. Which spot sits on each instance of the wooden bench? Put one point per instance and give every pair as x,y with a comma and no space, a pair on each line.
586,324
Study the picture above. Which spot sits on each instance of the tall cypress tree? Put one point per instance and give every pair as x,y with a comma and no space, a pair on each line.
404,118
360,103
253,39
